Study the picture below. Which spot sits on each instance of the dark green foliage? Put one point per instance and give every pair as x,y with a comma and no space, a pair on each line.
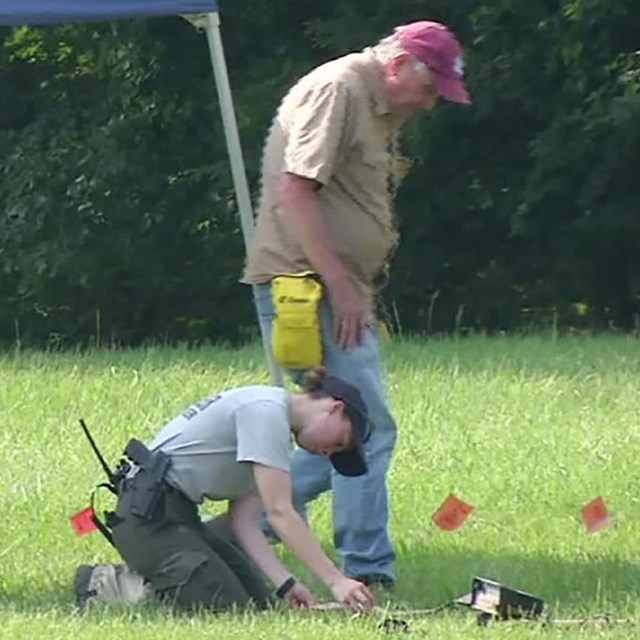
117,214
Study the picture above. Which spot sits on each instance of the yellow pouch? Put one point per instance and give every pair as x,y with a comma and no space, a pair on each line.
297,337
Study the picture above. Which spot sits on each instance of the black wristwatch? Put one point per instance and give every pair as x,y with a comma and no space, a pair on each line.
285,587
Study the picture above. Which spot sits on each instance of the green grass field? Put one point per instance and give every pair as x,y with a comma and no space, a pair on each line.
525,429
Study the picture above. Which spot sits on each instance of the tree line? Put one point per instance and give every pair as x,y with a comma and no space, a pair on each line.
118,221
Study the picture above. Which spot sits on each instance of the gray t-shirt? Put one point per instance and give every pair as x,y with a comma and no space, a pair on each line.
213,442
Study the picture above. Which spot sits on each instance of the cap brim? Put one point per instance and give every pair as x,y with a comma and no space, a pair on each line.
453,89
350,463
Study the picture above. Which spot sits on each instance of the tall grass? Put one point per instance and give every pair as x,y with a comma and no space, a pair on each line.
525,429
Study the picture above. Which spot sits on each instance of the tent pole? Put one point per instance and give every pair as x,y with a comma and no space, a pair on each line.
238,172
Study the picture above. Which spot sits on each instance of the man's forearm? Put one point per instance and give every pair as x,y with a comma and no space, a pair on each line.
303,213
296,535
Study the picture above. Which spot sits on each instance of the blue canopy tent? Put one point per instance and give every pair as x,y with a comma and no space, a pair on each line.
203,14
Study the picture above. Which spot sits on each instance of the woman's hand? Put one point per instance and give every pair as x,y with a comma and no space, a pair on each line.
353,594
299,597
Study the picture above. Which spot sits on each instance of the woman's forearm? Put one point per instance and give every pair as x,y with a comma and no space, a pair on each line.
294,532
246,531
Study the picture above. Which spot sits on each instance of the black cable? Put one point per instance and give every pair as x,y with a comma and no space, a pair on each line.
394,620
103,462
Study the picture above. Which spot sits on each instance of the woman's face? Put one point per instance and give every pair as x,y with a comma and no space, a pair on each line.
327,430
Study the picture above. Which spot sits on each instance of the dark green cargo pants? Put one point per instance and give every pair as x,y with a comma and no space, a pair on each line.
188,565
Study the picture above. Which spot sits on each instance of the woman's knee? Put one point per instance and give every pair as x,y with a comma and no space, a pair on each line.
206,589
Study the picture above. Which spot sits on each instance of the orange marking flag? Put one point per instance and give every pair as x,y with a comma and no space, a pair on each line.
596,515
83,522
452,513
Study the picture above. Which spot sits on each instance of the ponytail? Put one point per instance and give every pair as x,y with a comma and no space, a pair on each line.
312,380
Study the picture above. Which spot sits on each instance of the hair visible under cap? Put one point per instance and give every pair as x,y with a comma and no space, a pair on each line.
390,47
312,379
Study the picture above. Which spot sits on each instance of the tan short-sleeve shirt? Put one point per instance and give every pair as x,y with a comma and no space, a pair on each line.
333,127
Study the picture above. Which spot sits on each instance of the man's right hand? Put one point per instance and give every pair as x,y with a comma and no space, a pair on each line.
350,313
353,594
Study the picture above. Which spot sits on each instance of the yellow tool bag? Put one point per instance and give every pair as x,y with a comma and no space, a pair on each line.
297,336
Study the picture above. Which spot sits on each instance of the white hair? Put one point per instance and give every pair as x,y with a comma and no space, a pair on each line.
390,47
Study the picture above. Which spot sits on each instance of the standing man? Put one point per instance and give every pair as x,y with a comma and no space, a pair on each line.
330,172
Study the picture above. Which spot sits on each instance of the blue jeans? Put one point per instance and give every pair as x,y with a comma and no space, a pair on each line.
360,505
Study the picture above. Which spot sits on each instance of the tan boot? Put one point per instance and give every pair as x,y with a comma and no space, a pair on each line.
109,584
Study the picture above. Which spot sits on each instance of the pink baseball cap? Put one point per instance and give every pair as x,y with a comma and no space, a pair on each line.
435,45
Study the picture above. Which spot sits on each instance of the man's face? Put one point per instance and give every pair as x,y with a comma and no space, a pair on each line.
410,86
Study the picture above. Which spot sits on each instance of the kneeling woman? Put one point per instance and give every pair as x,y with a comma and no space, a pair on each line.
236,447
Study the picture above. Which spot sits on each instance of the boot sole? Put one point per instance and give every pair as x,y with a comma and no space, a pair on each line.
81,584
